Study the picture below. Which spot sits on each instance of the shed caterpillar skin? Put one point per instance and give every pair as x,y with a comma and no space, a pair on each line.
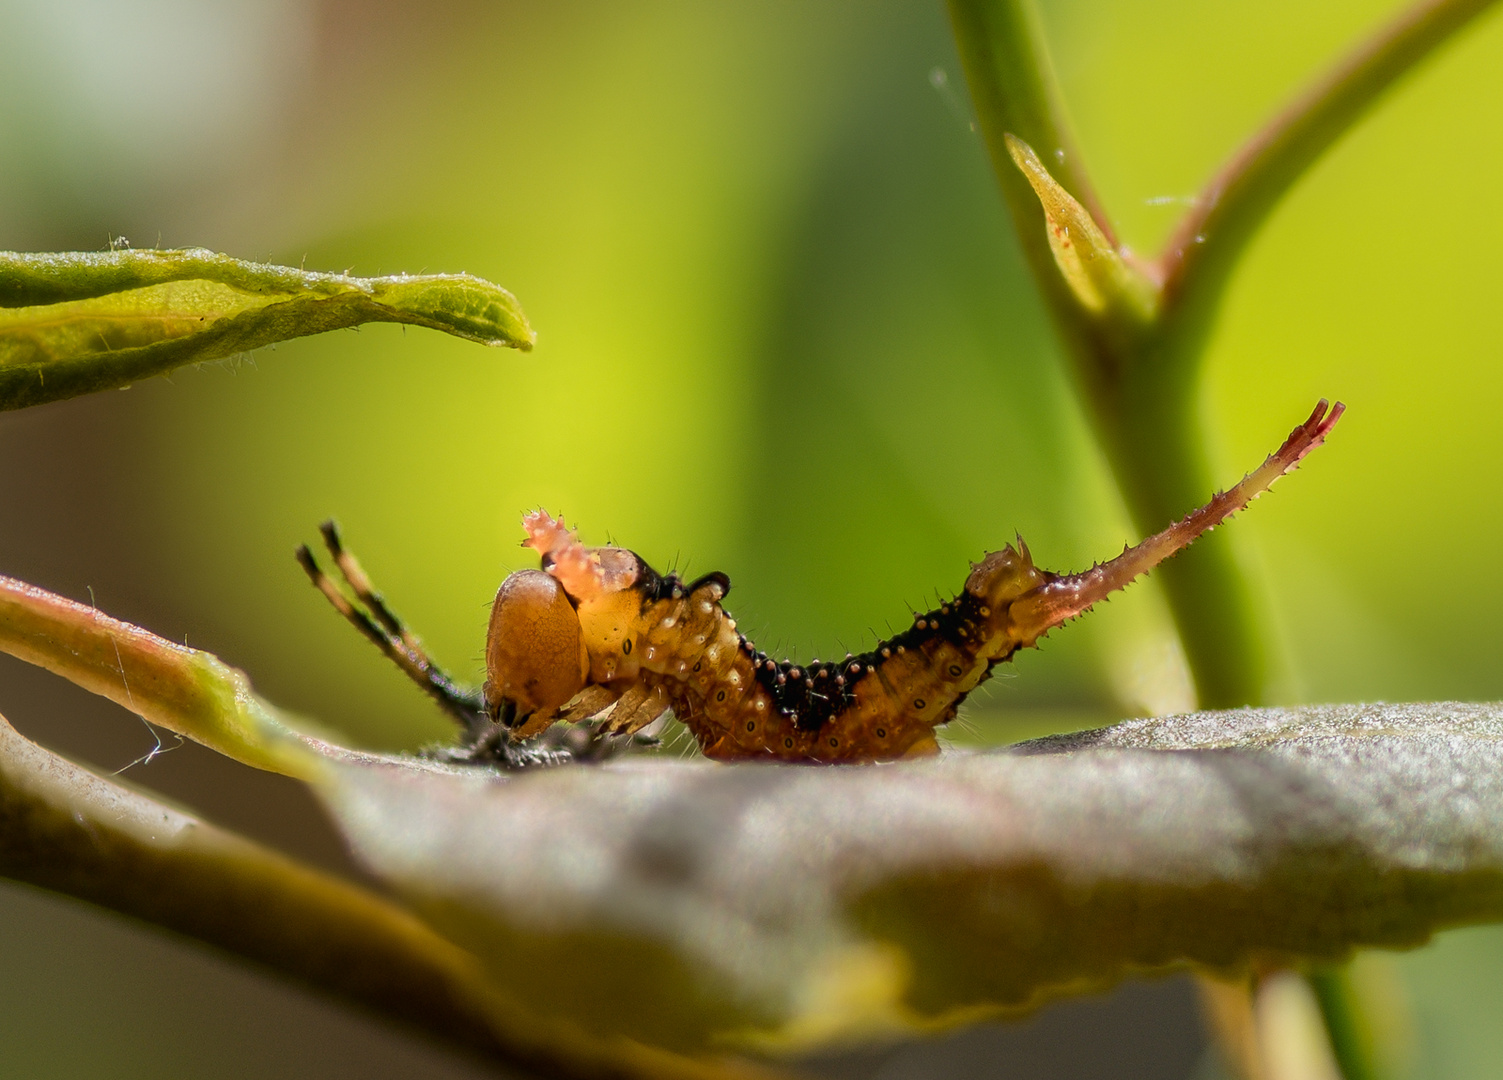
597,629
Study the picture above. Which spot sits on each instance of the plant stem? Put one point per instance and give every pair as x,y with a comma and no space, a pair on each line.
1014,92
1137,379
66,829
1203,250
1350,1035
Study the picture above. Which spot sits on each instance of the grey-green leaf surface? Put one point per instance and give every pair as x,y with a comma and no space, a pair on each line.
696,905
65,828
74,323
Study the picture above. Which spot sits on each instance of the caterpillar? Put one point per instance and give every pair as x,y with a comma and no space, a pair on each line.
596,632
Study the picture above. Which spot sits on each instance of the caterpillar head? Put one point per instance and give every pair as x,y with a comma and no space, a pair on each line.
601,582
538,649
535,656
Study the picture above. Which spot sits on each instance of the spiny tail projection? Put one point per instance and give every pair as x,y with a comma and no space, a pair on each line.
597,629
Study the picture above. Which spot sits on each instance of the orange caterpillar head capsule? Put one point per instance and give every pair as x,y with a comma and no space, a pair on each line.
535,658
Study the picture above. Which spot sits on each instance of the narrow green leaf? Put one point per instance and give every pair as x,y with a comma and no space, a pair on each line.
185,690
1090,263
79,322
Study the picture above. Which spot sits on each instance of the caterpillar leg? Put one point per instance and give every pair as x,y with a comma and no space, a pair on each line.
487,739
638,707
589,702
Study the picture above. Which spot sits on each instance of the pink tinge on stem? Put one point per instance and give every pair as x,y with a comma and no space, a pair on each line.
1065,596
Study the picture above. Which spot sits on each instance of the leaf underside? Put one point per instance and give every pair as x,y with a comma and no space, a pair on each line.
697,906
79,322
788,905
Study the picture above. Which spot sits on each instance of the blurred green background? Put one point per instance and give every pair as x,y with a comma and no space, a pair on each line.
784,332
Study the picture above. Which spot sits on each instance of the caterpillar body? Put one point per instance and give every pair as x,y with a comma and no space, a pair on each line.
597,629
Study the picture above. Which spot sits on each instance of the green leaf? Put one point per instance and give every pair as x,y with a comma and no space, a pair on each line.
75,323
699,906
1096,272
781,906
188,691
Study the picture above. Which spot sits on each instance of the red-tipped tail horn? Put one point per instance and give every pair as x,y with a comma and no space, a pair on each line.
1062,598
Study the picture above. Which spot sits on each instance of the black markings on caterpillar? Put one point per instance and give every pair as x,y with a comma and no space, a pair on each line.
596,633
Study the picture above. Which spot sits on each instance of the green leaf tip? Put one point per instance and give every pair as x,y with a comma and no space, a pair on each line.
1091,265
76,322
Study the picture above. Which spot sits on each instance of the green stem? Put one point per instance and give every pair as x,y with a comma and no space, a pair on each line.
1014,92
1203,250
1157,453
1351,1036
1138,380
